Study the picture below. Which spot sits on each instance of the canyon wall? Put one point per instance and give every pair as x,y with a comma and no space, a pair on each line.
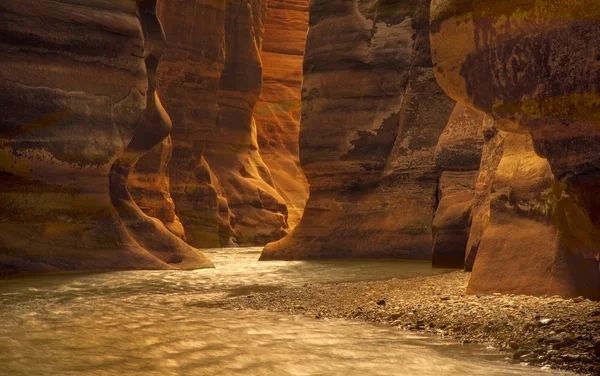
372,114
222,189
532,66
277,112
80,107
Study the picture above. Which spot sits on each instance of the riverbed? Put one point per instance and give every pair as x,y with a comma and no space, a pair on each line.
164,323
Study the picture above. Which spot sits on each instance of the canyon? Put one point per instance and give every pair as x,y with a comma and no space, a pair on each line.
464,132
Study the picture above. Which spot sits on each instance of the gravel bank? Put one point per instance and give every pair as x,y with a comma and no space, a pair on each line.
545,332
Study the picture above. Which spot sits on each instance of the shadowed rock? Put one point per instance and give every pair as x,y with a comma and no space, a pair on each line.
210,79
532,66
79,105
458,156
371,117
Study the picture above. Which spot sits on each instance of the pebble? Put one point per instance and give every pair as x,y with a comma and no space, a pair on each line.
517,355
553,332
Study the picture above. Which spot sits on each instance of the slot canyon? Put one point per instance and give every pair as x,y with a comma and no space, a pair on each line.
188,169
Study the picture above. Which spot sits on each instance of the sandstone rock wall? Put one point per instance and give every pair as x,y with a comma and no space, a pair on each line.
458,157
277,111
211,79
372,114
79,103
533,66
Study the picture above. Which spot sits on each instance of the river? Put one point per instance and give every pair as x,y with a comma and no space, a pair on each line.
162,323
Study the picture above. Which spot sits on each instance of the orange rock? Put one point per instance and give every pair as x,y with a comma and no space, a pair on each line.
80,108
371,117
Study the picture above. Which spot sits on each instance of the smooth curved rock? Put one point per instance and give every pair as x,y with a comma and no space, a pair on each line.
457,156
211,78
277,111
532,66
371,117
74,87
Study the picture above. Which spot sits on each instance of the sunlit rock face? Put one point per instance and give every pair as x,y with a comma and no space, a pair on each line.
457,156
533,66
277,112
79,105
211,78
372,114
149,185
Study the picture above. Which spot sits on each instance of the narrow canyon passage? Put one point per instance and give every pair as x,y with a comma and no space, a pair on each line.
299,187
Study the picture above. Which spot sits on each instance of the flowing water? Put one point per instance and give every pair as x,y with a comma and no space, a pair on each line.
161,323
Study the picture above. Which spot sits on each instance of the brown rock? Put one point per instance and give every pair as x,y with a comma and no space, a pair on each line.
458,155
222,189
530,65
68,140
277,112
371,117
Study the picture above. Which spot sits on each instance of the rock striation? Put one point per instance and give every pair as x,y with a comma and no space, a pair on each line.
533,67
80,107
372,114
211,78
277,112
458,157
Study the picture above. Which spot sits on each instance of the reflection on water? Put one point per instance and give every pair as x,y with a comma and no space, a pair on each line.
149,323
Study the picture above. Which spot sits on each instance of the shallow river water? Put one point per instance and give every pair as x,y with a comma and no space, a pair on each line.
161,323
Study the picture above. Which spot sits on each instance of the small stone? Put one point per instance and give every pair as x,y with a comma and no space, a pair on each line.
298,307
552,353
381,302
585,359
513,345
443,298
571,357
558,345
558,360
395,316
597,347
517,355
545,322
578,299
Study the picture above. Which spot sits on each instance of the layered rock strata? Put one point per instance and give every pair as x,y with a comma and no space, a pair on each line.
533,67
457,156
211,78
372,114
78,94
277,112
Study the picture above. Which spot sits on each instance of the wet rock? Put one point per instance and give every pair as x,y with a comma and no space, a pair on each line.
517,355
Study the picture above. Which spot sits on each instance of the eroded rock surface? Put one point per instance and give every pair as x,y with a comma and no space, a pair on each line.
372,114
277,111
211,79
532,65
79,108
458,156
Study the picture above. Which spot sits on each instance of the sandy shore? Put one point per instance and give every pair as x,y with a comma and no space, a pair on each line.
546,332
